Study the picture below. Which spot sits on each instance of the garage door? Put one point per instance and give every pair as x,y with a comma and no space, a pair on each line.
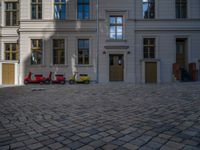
8,73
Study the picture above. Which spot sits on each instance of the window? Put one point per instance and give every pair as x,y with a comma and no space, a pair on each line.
36,9
12,13
149,47
83,9
181,8
149,9
58,51
116,27
83,51
60,9
36,52
11,51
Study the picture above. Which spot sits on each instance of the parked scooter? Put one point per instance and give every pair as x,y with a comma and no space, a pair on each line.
38,78
82,78
59,78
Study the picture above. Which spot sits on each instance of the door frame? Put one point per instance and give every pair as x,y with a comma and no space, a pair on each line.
16,72
116,52
122,67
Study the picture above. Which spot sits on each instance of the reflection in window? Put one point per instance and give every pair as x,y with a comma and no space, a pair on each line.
83,51
60,9
36,51
11,51
36,9
12,13
181,8
116,27
149,9
83,9
149,47
58,51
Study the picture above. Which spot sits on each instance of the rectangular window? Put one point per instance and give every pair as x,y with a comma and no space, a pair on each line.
83,9
149,9
11,51
60,9
36,51
181,8
12,13
149,47
83,51
36,9
116,27
58,51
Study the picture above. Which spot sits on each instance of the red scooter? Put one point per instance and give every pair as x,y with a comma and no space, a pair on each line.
59,78
38,78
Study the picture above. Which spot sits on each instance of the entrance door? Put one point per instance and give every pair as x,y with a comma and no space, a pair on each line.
181,52
150,72
116,68
8,74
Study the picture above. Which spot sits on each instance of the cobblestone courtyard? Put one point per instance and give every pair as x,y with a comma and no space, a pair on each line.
101,116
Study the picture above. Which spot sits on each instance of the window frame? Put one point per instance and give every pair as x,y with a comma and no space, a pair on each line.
115,25
84,49
83,10
11,13
178,14
36,49
58,48
11,52
60,3
37,3
149,46
148,2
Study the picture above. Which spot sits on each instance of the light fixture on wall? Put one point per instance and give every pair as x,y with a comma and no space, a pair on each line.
104,52
128,52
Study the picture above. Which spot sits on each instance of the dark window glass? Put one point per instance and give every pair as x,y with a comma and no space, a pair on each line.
83,9
12,13
181,8
149,9
36,9
149,48
60,9
83,51
58,51
11,51
36,51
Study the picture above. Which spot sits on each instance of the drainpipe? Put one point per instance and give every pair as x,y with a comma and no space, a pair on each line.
97,38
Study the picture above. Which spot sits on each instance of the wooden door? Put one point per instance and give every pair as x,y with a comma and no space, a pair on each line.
150,72
116,68
181,52
8,73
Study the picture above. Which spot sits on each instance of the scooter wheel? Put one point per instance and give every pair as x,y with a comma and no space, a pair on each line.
62,82
87,82
71,81
25,82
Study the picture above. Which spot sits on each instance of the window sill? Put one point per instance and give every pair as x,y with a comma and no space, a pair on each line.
57,65
89,65
120,40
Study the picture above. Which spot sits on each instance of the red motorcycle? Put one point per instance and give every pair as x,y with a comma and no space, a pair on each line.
38,78
59,78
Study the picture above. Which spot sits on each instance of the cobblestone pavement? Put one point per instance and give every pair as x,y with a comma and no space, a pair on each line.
100,116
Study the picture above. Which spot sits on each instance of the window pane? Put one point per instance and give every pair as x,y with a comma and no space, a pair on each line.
112,20
119,20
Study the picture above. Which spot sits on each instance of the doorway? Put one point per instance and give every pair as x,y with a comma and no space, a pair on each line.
181,52
116,67
150,72
8,73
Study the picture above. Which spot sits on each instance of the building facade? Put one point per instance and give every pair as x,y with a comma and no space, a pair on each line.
134,41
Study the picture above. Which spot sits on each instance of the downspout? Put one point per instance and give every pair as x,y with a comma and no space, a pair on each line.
97,38
135,40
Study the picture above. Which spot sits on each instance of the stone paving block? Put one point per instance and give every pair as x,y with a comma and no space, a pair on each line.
75,145
86,147
109,147
130,146
35,146
55,145
174,145
97,144
16,145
